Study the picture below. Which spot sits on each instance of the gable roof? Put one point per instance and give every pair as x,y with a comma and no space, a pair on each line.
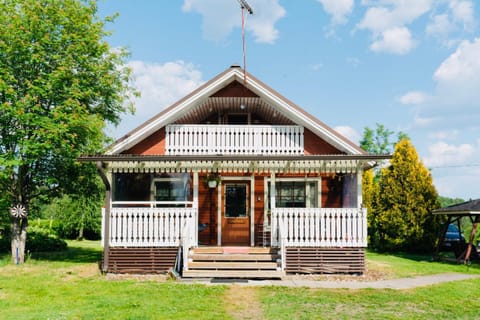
257,92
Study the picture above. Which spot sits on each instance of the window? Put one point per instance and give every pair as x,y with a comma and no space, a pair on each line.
171,188
236,200
291,193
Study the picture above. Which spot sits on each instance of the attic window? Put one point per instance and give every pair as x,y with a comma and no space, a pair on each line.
238,118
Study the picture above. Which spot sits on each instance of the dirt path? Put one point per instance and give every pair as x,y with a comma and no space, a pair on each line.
241,302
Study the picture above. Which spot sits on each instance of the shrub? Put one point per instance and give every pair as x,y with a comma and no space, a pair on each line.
43,237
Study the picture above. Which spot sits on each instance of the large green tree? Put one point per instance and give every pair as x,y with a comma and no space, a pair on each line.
405,201
60,82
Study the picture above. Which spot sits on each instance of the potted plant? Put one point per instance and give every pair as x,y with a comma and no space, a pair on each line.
213,180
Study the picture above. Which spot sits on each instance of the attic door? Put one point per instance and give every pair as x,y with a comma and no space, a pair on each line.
238,118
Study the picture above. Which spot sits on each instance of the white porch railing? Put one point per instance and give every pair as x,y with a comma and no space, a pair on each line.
147,226
233,139
319,227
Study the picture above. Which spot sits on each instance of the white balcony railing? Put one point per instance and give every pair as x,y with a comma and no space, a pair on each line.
234,140
319,227
148,226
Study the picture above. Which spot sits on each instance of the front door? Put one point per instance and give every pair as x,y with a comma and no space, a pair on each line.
236,213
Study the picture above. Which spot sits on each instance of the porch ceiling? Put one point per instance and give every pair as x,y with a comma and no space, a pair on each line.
253,164
223,105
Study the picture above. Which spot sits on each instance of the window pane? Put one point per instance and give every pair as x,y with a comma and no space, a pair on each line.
235,201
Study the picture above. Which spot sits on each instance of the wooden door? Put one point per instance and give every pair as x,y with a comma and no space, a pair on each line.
236,213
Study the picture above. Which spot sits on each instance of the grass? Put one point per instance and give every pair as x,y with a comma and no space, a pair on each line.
68,285
409,265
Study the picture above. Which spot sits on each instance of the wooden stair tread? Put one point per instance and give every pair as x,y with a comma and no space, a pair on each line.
233,257
270,274
233,250
233,265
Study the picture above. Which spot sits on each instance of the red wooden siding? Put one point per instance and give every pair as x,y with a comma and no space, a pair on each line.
315,145
332,190
153,145
234,89
207,212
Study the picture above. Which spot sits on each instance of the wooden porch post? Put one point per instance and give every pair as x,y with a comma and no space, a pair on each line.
359,203
470,242
108,201
273,233
195,205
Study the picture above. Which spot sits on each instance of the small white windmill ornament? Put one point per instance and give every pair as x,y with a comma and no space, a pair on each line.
18,211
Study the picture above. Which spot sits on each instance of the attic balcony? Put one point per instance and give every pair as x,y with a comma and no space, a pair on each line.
234,140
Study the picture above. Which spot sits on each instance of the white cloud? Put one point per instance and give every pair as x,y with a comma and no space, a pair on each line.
463,65
388,19
338,9
349,133
220,17
458,77
444,134
443,154
454,102
453,16
160,85
395,40
413,97
462,11
440,26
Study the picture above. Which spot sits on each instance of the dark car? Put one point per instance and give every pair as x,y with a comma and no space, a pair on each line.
453,237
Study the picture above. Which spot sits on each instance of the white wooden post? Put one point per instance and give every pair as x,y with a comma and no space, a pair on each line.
195,206
275,225
359,188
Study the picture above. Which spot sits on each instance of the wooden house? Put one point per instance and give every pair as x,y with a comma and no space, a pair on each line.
234,180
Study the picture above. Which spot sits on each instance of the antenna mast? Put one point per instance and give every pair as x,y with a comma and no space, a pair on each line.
245,6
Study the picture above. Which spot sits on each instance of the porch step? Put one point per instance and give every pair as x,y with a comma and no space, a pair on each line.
233,274
233,257
233,262
232,265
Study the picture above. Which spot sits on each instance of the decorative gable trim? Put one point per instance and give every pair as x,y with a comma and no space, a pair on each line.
218,84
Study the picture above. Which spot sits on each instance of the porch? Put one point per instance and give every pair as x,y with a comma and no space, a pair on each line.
301,240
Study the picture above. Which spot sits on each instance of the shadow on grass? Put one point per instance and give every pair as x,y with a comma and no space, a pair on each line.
76,252
71,254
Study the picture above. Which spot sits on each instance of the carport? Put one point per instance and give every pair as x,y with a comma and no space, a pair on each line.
455,213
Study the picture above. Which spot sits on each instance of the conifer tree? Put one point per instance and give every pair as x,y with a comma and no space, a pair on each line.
406,199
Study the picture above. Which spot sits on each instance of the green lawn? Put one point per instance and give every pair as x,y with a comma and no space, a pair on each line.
68,285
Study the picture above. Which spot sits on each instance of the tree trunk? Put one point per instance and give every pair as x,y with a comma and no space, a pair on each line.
19,239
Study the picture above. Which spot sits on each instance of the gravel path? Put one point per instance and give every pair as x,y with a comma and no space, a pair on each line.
396,284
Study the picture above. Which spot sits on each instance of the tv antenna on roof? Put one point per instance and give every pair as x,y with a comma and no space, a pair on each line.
245,6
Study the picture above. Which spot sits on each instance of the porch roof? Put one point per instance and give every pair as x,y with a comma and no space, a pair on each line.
219,163
471,207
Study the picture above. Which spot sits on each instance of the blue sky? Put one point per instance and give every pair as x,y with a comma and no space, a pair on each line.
411,65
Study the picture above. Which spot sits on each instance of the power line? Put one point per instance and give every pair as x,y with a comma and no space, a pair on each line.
457,166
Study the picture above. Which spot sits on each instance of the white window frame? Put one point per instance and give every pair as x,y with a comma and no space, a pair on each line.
153,191
318,196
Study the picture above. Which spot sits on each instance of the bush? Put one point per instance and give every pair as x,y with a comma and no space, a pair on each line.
43,237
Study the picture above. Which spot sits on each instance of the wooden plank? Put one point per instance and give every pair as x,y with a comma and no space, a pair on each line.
313,260
234,274
233,257
233,265
141,260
